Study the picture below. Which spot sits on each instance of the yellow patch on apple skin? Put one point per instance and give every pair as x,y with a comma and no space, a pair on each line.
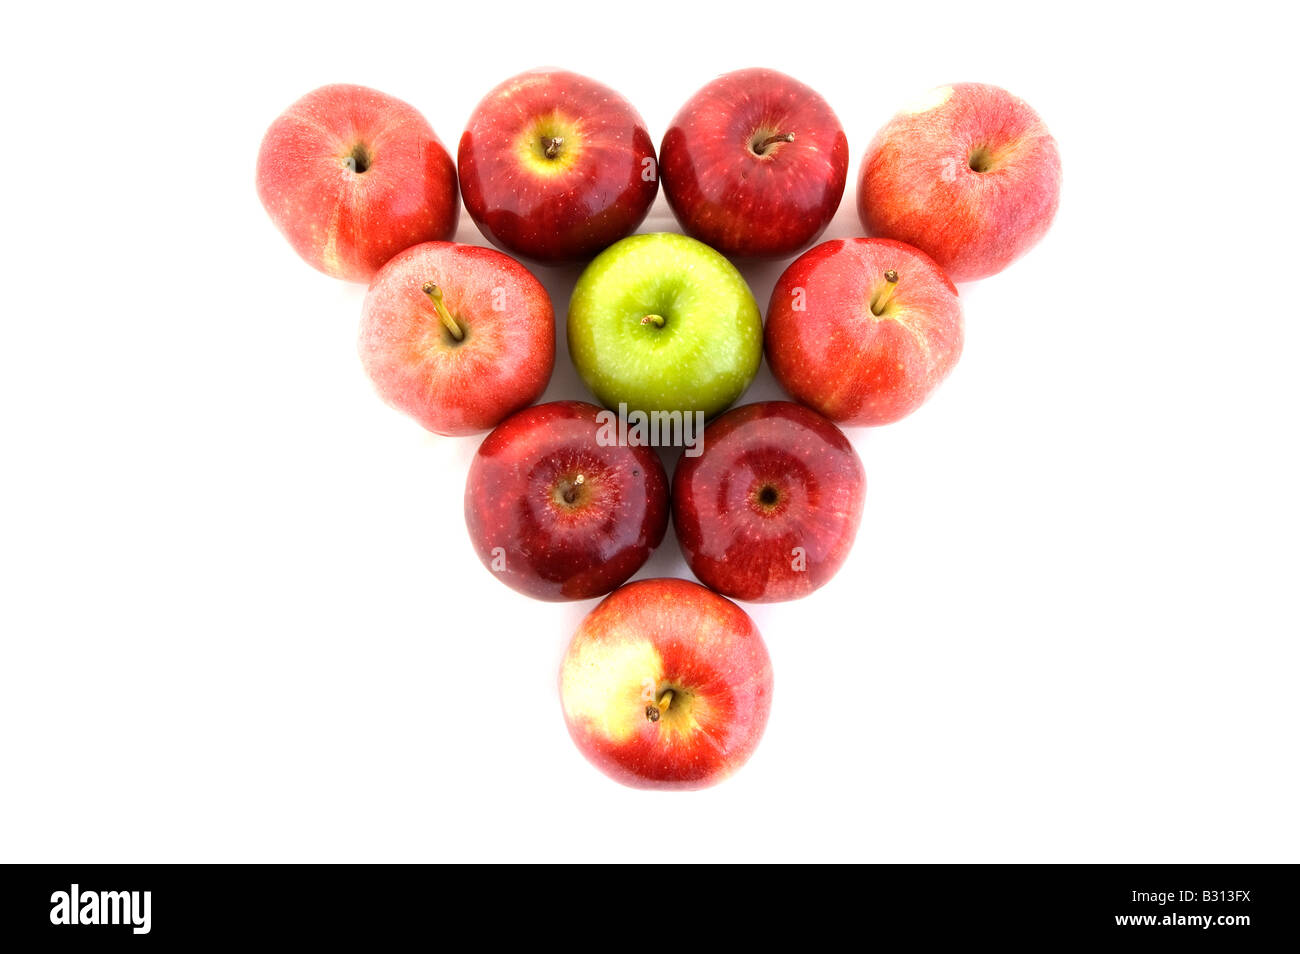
607,685
930,99
531,147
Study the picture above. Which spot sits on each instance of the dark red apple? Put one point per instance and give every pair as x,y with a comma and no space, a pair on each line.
769,510
863,330
457,336
755,164
666,685
556,167
556,512
352,176
969,174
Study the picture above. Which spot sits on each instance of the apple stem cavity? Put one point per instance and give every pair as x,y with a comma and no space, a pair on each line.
883,297
656,320
570,492
551,146
762,146
435,295
656,709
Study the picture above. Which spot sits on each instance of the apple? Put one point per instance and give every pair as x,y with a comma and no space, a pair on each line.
662,322
863,330
352,176
755,164
557,513
769,510
555,166
968,174
666,685
457,336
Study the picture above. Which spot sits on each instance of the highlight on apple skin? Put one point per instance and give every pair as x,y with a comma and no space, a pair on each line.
457,336
754,164
666,685
556,514
863,330
555,166
662,322
352,176
969,174
770,510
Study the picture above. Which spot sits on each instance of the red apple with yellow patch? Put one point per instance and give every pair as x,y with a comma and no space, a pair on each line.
352,176
666,685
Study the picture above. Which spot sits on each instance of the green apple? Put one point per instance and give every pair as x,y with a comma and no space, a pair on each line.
664,323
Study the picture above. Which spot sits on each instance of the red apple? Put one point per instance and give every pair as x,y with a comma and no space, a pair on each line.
666,685
863,330
558,513
769,510
457,336
754,164
556,167
968,174
352,177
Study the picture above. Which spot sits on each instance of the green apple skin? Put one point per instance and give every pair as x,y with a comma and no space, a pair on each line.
702,357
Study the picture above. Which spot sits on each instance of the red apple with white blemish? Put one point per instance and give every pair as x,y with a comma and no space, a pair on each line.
457,336
352,176
969,174
666,685
754,164
556,167
769,510
863,330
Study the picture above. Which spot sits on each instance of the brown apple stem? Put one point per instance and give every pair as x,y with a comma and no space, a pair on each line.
551,146
884,297
770,141
570,492
655,710
435,295
656,320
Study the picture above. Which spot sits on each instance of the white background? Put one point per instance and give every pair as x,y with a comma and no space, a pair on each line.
241,619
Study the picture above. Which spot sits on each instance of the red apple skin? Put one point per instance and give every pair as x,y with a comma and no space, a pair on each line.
744,204
769,510
655,635
544,545
504,360
918,183
346,223
850,365
596,191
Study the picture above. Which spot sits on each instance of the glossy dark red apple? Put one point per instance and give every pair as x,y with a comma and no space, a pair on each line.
457,336
555,513
666,685
556,167
769,510
863,330
352,176
755,164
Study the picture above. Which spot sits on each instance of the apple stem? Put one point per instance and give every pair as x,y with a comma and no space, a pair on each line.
435,295
770,141
656,320
570,492
551,146
883,298
655,710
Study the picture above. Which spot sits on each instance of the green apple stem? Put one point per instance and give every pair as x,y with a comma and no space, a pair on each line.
435,295
762,147
655,710
885,295
551,146
656,320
